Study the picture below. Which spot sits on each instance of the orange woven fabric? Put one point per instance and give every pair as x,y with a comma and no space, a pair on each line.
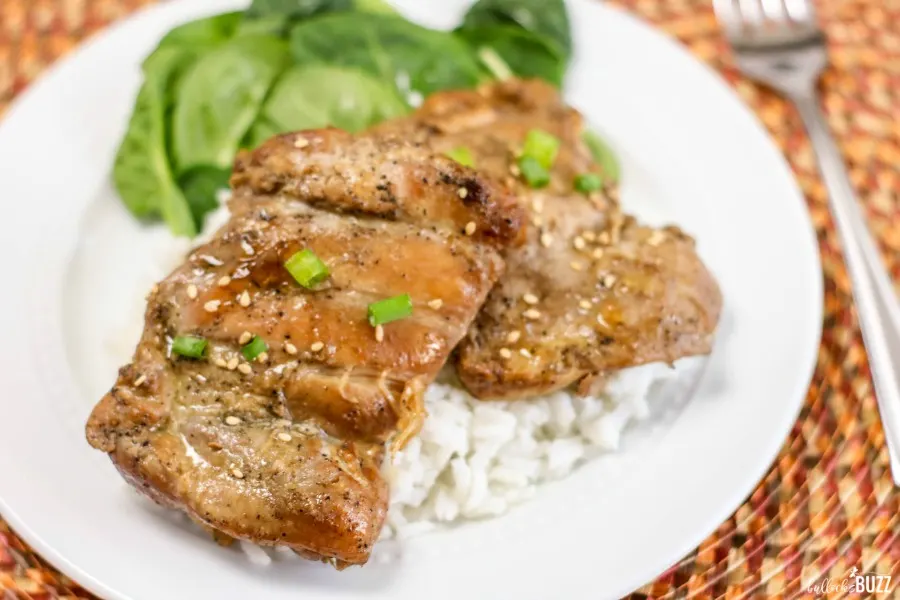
828,504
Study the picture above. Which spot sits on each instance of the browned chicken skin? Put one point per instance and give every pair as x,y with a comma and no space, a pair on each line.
286,449
591,290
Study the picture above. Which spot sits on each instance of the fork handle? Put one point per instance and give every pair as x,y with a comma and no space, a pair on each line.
878,308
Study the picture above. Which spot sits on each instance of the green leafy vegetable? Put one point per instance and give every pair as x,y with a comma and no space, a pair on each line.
374,6
523,53
276,25
603,156
201,186
201,35
321,95
220,98
189,346
548,19
296,9
416,59
142,173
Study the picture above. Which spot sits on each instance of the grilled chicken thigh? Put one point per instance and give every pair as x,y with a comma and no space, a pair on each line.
285,448
591,290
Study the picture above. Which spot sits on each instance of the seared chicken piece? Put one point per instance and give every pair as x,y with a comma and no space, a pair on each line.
285,448
591,291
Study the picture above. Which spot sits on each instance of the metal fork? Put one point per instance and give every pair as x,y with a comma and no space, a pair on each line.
779,43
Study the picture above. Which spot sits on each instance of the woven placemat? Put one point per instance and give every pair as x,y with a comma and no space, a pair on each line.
828,503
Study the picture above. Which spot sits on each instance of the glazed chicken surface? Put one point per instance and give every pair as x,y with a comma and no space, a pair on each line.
284,448
592,290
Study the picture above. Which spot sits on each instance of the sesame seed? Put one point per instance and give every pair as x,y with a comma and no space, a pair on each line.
513,336
589,236
462,192
603,238
602,321
597,253
609,280
546,240
248,249
212,306
211,260
220,362
537,221
537,205
524,352
530,299
283,423
245,337
578,242
224,280
237,473
317,346
245,368
656,238
470,227
436,304
585,304
244,299
155,288
290,348
515,170
284,437
192,291
576,266
505,353
232,420
263,357
379,333
301,142
140,380
233,363
532,313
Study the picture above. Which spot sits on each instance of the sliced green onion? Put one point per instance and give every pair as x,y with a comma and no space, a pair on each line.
535,175
463,156
254,348
392,309
306,268
189,346
542,147
587,183
603,156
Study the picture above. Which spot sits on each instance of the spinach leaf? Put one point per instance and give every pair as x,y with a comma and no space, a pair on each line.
201,186
296,9
526,54
546,18
603,155
142,173
219,98
374,6
202,34
276,25
319,95
417,60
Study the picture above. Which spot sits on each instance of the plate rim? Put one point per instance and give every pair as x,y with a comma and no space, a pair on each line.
46,78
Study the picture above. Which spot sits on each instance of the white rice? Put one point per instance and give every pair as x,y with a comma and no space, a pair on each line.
478,459
473,459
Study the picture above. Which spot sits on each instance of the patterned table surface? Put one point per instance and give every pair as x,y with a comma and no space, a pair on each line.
828,503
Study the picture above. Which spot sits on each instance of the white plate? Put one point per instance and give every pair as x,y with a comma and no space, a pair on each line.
72,258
